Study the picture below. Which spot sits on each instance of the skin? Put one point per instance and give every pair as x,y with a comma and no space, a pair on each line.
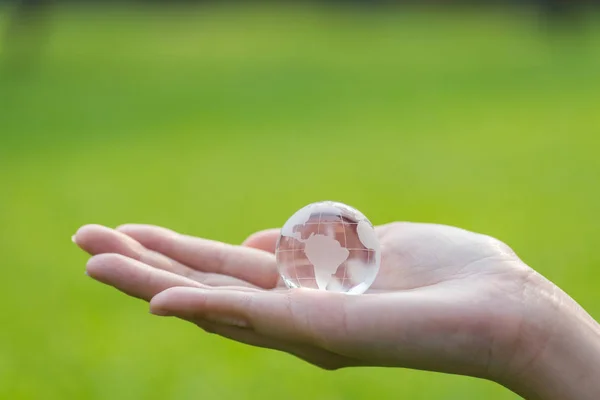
445,300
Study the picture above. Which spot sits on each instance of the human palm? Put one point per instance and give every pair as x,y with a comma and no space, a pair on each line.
445,299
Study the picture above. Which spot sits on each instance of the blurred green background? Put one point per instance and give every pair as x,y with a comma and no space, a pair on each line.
219,121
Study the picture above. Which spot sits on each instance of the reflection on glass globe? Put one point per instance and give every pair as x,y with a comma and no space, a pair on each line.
328,246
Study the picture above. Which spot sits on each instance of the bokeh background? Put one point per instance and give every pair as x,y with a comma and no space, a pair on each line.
220,119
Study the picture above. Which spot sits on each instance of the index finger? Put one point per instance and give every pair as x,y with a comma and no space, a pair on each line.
263,240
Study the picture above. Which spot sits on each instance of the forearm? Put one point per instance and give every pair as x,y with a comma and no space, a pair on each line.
567,365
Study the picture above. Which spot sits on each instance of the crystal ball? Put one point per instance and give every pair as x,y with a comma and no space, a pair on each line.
328,246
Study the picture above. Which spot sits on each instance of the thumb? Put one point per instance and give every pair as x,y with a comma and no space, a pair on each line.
411,329
299,315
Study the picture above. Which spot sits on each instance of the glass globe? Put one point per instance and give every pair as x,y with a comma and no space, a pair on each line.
328,246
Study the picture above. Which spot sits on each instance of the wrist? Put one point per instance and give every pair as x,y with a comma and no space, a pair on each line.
558,355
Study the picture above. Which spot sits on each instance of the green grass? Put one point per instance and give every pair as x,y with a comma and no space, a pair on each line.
220,122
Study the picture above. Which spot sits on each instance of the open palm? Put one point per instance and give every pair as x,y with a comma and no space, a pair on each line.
445,299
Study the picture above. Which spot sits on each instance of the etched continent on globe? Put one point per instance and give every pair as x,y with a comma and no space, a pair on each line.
328,246
326,254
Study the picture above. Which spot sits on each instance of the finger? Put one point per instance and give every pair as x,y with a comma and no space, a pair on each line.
97,239
315,356
418,329
359,327
302,316
248,264
133,277
263,240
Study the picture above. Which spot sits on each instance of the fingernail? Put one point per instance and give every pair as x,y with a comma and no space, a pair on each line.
73,239
227,320
159,312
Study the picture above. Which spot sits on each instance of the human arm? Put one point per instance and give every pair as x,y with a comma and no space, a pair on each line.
445,300
566,364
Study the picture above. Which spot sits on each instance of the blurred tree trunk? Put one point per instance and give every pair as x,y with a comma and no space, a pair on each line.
26,34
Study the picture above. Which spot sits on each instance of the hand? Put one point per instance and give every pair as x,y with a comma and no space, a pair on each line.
445,299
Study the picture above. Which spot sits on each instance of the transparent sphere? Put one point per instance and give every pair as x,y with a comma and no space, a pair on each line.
328,246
